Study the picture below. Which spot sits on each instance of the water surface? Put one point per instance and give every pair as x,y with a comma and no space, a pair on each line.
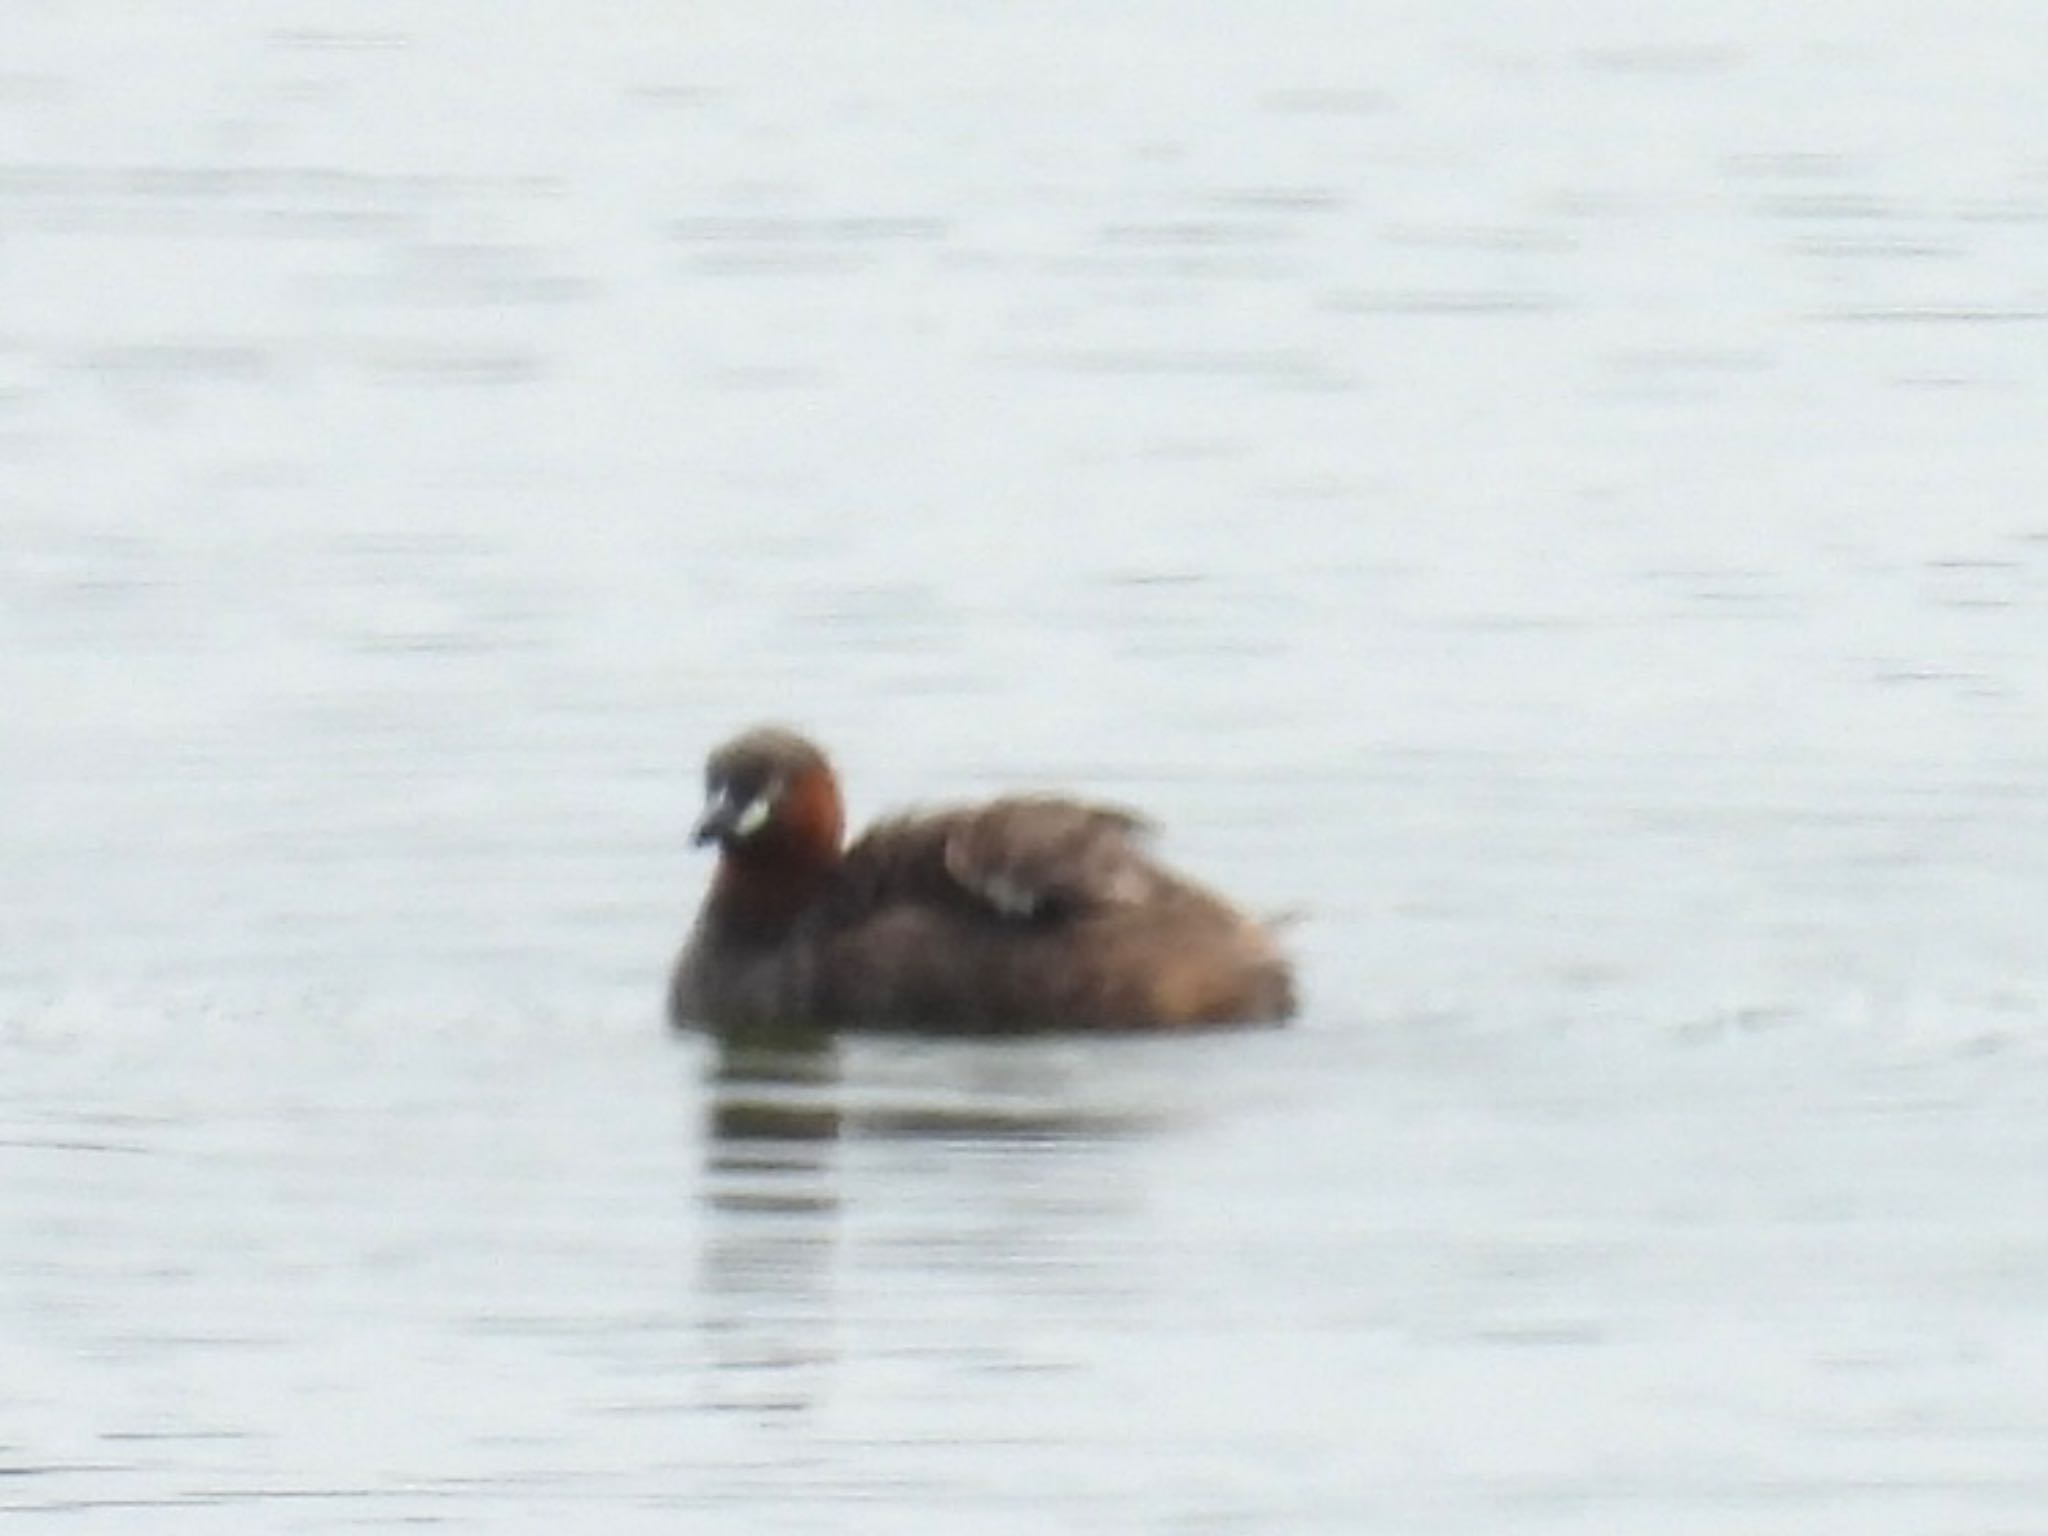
1558,504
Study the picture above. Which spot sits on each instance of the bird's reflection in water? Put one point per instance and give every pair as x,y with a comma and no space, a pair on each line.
785,1113
773,1205
772,1096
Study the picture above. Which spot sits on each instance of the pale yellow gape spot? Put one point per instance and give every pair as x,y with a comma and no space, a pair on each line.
754,814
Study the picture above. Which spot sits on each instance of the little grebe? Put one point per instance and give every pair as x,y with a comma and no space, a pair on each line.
1024,913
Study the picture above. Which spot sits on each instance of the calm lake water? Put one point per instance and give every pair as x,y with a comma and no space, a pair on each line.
1557,500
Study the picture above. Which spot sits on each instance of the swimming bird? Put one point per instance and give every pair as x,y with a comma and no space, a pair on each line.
1023,913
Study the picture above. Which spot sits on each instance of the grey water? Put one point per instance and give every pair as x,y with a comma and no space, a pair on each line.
1551,495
